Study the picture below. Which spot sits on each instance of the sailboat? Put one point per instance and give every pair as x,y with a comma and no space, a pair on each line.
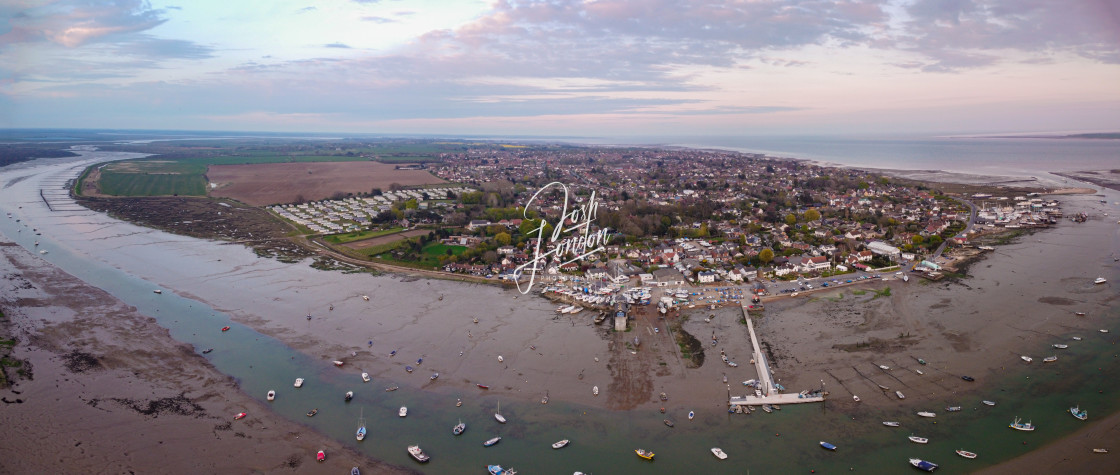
498,414
361,426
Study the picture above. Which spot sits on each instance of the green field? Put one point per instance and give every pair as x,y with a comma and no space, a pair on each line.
358,236
153,178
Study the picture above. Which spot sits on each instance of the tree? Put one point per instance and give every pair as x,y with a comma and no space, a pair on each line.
812,215
917,239
791,219
765,256
503,238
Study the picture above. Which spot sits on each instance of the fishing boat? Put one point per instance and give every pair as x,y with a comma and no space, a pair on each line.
900,395
418,454
988,403
498,470
392,388
498,414
1100,280
1018,425
923,465
926,414
966,454
482,386
320,456
561,444
719,453
240,415
158,291
668,422
595,390
349,396
491,442
827,445
312,412
434,376
403,411
1026,358
691,415
918,440
968,378
643,453
298,383
1061,346
459,428
1078,413
361,434
953,408
1050,359
225,328
890,423
271,395
365,377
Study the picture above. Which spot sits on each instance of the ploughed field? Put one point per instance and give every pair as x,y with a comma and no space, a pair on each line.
274,183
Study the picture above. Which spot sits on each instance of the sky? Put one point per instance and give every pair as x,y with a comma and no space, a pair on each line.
597,68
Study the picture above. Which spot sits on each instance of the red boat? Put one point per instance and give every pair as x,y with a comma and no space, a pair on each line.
239,416
321,456
483,386
225,329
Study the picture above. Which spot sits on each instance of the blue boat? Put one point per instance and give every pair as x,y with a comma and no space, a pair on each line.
828,445
923,465
408,368
498,470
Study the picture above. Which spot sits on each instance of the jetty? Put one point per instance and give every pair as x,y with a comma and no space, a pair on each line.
767,392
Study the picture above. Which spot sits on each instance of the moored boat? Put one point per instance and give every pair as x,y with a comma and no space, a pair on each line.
926,414
459,428
1100,280
595,390
298,383
1100,451
855,398
498,414
968,378
966,454
240,415
225,328
668,422
988,403
320,456
349,396
953,408
208,350
827,445
491,442
719,453
1050,359
1077,412
890,423
361,433
884,367
271,395
1060,346
561,444
918,440
434,376
408,368
418,454
392,388
643,453
691,415
482,386
900,395
1026,358
1019,425
312,412
156,291
923,465
403,411
365,377
498,470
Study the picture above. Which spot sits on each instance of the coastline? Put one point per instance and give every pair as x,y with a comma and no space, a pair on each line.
112,391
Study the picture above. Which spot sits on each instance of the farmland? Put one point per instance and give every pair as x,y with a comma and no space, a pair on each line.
148,178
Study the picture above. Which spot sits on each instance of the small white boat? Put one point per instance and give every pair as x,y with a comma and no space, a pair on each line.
884,367
1050,359
1100,280
561,444
299,383
1018,425
691,415
890,423
1076,338
156,291
918,440
1100,451
491,442
365,297
338,363
919,372
988,403
1104,330
927,414
719,453
498,414
855,398
271,395
595,390
1060,346
1026,358
900,395
966,454
403,412
500,359
365,377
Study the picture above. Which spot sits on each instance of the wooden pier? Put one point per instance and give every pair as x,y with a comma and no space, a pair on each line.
770,394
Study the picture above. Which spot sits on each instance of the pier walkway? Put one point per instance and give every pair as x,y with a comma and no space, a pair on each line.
769,393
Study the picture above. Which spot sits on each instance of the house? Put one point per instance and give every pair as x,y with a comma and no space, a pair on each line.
666,277
814,264
883,249
478,223
785,269
706,277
